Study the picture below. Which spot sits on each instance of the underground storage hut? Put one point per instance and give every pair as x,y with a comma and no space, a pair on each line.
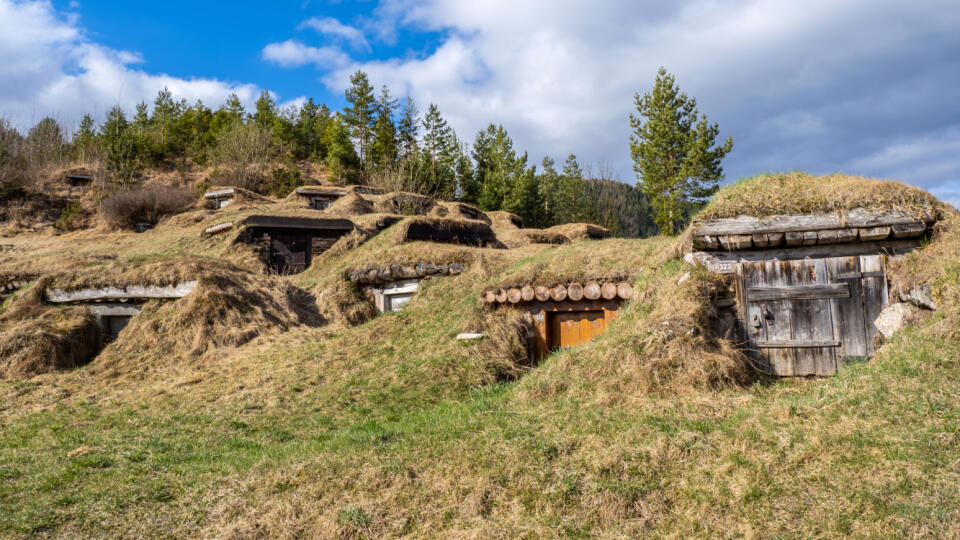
805,290
113,307
288,244
391,287
320,197
563,315
219,198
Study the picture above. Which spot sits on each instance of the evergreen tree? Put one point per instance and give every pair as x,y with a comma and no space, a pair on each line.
233,107
497,167
440,148
166,112
266,112
85,139
141,119
674,152
549,188
359,115
384,150
340,152
307,136
526,198
125,150
467,189
573,199
407,131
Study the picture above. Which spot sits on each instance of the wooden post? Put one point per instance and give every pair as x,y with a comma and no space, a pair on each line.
575,291
624,290
514,295
502,296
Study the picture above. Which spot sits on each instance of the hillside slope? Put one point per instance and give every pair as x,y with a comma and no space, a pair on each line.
364,426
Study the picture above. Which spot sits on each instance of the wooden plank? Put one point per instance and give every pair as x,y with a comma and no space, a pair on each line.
874,296
767,240
814,324
848,320
798,292
736,242
907,230
801,238
799,343
874,234
778,317
706,242
890,247
857,218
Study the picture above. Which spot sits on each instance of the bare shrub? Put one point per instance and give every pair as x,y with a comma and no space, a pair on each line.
144,204
243,150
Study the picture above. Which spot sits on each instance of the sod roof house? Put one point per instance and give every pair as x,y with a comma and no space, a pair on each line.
77,180
391,287
806,289
113,307
321,197
563,315
288,244
219,198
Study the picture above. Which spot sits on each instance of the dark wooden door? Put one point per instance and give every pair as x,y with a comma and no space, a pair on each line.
807,317
569,329
289,254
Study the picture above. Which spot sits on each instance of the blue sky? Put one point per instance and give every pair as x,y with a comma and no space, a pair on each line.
860,86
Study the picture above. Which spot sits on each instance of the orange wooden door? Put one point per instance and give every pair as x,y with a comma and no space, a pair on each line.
573,328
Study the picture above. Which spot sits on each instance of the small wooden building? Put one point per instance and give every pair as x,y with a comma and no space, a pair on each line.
563,316
219,198
113,307
320,198
391,287
806,289
288,244
75,180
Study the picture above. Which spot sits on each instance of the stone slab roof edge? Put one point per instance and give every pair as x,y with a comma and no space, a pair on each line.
219,193
856,218
293,222
131,292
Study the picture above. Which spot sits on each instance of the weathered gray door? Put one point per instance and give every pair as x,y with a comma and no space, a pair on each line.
807,317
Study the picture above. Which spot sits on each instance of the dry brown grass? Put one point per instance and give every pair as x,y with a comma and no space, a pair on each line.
147,204
351,204
53,340
402,202
580,231
458,210
800,193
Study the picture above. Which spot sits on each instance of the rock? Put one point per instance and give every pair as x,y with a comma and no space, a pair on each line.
920,296
688,258
894,318
683,278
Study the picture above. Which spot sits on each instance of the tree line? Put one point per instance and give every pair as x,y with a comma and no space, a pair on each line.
376,140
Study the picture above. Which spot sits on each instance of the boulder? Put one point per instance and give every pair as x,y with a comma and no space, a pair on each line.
894,318
920,296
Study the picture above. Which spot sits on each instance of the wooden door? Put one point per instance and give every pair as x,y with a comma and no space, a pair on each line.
569,329
288,254
807,317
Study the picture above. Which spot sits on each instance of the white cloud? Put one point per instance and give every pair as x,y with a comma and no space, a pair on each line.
818,85
332,27
50,67
292,53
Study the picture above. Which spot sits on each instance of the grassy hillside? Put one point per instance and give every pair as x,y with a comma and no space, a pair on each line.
368,426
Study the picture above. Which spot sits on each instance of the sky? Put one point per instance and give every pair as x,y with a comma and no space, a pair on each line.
866,87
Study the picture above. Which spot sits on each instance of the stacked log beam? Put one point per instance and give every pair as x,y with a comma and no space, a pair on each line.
378,275
744,233
574,292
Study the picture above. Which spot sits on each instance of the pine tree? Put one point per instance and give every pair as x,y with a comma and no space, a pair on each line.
141,118
440,147
497,167
576,205
407,131
384,149
125,150
340,152
359,115
86,137
165,114
525,197
674,152
266,111
549,188
233,107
